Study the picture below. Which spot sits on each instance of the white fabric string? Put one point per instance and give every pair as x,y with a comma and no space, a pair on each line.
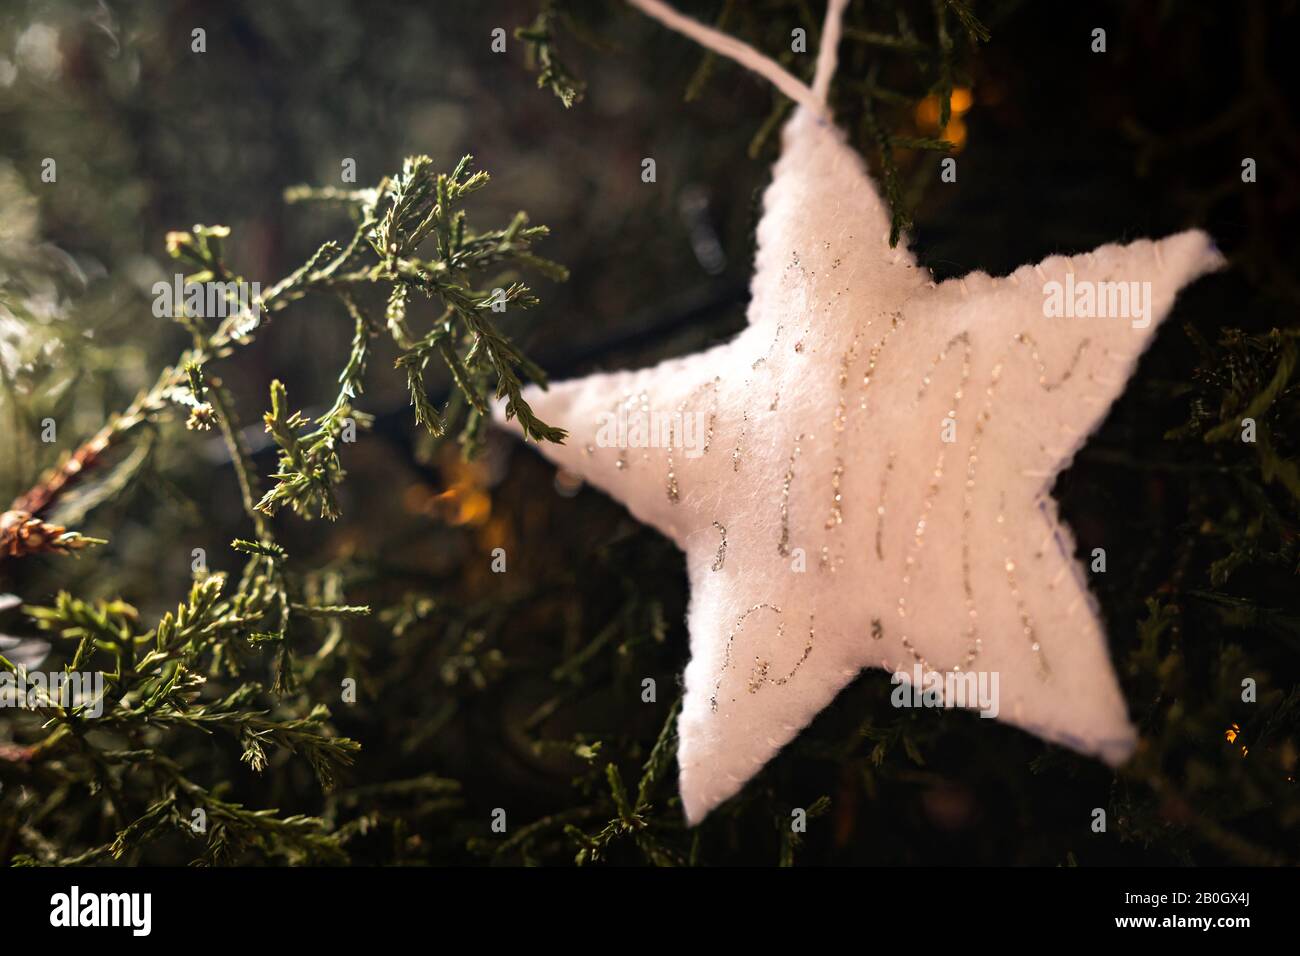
747,56
826,56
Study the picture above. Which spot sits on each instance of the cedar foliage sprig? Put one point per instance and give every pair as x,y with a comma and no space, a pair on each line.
199,669
396,219
405,212
156,681
543,55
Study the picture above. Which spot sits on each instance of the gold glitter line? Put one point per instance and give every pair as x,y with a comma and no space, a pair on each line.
968,493
838,424
873,356
629,401
674,495
758,675
968,502
1024,338
975,645
880,508
962,337
1026,621
1028,627
735,452
836,517
783,547
722,547
726,651
932,491
762,359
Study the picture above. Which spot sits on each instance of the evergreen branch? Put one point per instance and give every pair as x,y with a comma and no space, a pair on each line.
418,206
543,55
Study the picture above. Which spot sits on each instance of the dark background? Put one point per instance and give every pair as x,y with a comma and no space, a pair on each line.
518,690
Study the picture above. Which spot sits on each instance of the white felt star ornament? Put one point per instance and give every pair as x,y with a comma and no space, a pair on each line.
860,478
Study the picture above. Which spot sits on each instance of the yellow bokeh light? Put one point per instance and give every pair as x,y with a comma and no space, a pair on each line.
956,134
475,507
461,504
927,111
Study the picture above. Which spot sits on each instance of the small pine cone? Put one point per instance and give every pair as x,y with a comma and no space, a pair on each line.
22,534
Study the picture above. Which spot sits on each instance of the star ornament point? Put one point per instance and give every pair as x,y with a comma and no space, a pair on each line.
861,477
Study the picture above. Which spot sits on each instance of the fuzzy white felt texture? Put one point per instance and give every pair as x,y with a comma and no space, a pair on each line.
868,484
